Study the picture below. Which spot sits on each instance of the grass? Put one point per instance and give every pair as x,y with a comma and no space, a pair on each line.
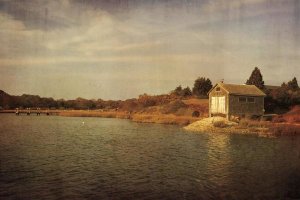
136,117
284,129
247,123
164,119
293,116
272,128
86,113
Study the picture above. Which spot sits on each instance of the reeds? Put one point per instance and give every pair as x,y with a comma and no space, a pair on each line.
163,119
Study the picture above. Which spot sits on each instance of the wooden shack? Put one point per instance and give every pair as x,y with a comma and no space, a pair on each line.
230,100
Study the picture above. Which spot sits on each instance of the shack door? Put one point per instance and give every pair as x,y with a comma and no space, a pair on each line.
218,105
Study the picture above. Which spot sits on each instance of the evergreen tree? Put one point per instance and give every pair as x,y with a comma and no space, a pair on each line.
201,86
256,79
283,85
293,84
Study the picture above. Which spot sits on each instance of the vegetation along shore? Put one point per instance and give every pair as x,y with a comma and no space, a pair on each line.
182,106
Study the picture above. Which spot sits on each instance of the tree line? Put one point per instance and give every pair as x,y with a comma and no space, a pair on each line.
278,98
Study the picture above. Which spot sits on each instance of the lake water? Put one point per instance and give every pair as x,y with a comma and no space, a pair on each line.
51,157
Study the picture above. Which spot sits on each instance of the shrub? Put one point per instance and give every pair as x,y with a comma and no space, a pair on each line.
196,113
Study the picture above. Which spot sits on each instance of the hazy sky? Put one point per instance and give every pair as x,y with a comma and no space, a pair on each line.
117,49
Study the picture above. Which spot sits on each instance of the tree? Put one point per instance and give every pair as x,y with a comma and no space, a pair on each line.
256,79
201,86
293,84
186,92
178,91
182,92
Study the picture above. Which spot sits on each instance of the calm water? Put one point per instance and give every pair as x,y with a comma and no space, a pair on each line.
62,158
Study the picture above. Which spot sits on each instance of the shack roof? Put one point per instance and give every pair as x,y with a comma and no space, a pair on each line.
244,90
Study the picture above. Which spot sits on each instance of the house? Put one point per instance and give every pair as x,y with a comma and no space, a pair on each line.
231,100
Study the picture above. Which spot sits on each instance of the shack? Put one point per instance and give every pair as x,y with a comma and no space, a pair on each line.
230,100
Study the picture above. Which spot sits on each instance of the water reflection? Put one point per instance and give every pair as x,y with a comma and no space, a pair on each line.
59,158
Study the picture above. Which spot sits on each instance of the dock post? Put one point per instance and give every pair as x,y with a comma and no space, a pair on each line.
38,111
17,111
28,111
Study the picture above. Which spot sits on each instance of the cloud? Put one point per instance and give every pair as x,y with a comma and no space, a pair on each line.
155,41
36,14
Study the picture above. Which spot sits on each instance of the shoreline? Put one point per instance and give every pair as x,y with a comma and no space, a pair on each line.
135,116
191,124
244,127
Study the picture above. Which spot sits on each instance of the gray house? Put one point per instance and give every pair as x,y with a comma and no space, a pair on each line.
231,100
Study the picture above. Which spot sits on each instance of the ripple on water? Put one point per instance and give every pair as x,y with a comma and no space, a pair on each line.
60,158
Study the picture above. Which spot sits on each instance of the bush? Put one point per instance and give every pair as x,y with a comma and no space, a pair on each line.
196,114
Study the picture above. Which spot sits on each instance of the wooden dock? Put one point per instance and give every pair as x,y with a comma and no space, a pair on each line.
36,112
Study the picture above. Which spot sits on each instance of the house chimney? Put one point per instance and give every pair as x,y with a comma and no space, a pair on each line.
222,81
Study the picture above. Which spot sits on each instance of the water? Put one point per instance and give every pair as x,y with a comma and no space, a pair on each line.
50,157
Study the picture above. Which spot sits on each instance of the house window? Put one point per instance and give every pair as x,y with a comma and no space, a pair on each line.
250,100
218,89
242,99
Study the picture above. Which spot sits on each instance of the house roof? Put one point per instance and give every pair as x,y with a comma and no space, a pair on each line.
246,90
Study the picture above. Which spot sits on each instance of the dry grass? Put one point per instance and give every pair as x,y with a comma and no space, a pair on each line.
247,123
272,128
200,102
293,116
136,117
284,129
86,113
163,119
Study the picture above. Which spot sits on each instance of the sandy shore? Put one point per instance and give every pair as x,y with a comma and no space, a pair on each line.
221,125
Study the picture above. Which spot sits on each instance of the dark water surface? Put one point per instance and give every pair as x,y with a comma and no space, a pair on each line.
62,158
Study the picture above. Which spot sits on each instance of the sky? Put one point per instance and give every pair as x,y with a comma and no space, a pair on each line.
119,49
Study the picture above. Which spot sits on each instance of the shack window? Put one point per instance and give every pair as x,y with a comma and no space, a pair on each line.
250,99
218,89
242,99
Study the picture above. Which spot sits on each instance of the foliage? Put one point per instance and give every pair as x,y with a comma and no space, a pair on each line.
182,92
281,99
186,92
256,78
293,116
177,91
202,86
293,84
196,114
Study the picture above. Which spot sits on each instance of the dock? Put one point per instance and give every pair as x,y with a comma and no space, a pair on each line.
30,111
